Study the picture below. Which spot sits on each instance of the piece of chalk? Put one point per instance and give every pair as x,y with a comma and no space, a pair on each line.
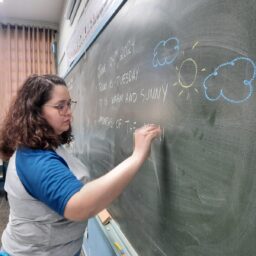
104,216
119,248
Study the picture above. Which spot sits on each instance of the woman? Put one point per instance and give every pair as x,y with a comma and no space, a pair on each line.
49,203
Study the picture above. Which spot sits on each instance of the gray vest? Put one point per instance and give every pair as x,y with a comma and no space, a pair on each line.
35,229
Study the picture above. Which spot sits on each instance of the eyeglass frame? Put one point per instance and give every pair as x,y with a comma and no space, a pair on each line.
63,107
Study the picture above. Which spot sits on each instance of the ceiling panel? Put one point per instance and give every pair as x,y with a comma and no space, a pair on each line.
35,10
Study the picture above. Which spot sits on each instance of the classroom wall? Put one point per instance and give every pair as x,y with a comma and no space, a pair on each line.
65,32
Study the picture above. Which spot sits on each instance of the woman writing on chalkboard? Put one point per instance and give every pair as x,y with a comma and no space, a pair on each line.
49,203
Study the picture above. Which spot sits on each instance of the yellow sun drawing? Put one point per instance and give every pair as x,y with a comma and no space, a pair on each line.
187,85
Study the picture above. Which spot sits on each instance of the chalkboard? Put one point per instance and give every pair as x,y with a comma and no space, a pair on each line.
188,66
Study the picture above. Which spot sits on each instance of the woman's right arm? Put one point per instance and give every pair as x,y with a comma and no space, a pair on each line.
99,193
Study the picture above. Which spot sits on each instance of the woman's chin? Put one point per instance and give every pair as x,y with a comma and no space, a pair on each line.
65,129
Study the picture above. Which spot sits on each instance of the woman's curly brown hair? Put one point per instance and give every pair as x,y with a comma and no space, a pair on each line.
24,124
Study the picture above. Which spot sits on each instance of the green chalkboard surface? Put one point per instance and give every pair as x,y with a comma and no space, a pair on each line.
190,67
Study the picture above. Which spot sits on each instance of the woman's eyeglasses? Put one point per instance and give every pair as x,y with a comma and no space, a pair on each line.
64,106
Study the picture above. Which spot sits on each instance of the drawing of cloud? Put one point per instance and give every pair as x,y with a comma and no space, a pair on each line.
230,81
165,52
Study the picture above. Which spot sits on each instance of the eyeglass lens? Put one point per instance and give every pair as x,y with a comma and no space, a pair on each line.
63,108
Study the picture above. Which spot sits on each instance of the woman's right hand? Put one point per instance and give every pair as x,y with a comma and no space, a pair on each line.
143,138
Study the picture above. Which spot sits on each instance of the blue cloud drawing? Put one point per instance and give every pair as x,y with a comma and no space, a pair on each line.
218,91
165,52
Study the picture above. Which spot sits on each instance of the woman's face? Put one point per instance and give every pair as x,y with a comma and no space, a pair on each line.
57,110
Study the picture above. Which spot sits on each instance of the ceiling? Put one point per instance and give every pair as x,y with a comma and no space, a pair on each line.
46,11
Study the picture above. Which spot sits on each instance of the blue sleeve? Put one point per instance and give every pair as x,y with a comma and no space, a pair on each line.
46,177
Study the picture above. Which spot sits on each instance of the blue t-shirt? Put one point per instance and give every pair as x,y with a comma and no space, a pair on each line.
46,177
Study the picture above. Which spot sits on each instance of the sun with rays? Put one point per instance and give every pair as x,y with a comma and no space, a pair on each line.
187,73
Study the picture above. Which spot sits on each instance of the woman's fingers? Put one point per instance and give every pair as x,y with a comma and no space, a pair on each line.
154,133
153,130
148,132
143,138
149,128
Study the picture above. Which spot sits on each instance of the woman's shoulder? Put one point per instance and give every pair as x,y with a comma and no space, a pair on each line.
24,154
26,150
